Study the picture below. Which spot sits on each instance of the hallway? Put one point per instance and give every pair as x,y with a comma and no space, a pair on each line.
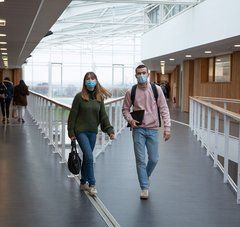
185,189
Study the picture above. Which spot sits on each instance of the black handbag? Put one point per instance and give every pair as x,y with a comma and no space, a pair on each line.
74,161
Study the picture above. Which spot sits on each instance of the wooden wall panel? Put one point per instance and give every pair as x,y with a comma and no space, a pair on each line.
221,90
188,76
174,85
17,76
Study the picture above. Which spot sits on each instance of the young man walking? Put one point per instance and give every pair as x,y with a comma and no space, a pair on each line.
148,97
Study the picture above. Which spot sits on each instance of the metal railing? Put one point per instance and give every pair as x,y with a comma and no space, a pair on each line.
218,130
51,117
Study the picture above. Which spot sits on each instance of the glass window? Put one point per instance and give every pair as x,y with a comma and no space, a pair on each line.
223,68
219,69
210,69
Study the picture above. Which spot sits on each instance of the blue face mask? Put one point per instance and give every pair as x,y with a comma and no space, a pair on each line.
90,83
142,79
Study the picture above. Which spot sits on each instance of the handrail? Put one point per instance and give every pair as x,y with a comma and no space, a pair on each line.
218,130
51,100
215,99
221,110
51,118
106,102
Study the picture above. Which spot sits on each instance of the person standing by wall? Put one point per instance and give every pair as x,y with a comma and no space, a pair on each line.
6,99
87,112
146,134
20,99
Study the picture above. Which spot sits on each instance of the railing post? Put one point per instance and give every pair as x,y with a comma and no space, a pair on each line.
115,117
216,139
110,113
198,121
195,119
191,114
63,135
208,130
238,180
50,123
120,115
226,148
56,129
203,127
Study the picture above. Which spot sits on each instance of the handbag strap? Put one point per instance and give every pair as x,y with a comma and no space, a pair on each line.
74,145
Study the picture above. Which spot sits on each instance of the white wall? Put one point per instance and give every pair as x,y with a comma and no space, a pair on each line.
210,21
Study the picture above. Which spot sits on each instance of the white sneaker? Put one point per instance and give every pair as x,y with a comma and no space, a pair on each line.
144,194
84,187
92,191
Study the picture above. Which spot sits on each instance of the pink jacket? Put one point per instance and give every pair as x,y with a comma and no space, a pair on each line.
145,100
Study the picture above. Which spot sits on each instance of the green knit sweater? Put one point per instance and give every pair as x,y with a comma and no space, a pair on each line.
85,116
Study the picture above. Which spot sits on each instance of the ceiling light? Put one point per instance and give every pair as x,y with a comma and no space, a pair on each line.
163,70
207,51
4,53
3,35
3,42
2,22
5,58
2,0
218,59
188,55
237,45
171,59
162,61
3,48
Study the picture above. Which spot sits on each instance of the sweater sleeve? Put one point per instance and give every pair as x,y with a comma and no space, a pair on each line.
127,103
73,116
164,111
104,120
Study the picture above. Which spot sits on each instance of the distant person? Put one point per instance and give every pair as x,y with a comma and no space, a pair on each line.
5,99
147,133
87,112
20,99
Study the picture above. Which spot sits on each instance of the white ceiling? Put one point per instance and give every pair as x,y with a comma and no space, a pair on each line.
221,47
27,22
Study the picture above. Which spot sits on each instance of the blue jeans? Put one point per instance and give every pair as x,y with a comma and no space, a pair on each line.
86,141
150,138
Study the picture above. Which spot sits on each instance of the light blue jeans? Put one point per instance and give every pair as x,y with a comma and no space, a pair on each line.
86,141
150,138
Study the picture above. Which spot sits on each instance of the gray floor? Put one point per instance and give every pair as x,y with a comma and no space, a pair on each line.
34,187
185,189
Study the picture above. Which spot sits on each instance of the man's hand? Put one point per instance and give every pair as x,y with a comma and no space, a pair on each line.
133,123
112,136
166,135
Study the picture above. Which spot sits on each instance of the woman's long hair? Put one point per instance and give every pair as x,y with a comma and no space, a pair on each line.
100,92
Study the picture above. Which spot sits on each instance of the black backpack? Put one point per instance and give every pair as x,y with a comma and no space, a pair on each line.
3,90
154,89
74,161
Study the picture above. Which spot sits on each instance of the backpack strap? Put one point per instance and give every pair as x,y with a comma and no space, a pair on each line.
155,92
133,93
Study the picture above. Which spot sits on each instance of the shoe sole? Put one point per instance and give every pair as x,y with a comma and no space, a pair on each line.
143,198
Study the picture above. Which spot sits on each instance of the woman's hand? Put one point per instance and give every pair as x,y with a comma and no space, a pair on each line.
112,136
72,138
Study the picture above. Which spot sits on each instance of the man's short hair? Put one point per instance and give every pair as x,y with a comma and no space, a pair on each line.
141,67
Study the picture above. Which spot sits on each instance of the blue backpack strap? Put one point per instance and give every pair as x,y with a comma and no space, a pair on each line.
155,92
133,93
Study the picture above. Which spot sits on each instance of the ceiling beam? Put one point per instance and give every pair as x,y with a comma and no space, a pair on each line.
104,22
177,2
